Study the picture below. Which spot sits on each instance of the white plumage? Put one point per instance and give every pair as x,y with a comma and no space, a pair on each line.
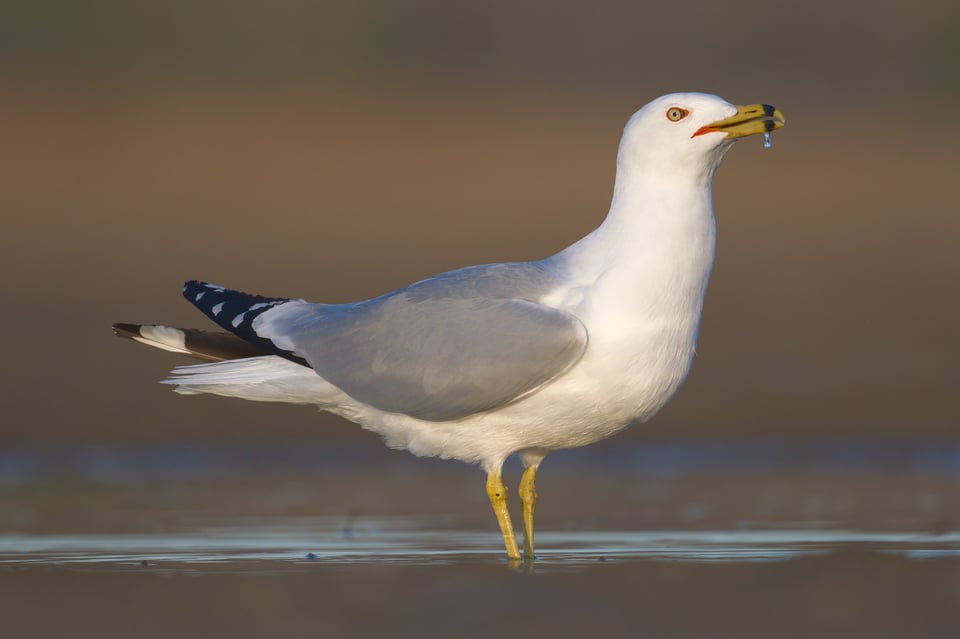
485,362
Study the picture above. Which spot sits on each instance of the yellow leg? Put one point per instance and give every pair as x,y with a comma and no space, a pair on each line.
497,493
528,500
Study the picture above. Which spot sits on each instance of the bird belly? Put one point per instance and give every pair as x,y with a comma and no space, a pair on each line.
618,382
621,380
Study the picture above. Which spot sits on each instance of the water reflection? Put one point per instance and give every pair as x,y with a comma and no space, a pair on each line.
416,541
282,508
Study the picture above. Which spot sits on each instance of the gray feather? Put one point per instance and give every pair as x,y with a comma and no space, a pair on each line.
461,343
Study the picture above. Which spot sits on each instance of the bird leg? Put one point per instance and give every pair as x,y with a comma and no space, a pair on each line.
528,500
497,493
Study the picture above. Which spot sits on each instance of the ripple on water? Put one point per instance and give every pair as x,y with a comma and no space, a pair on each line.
298,545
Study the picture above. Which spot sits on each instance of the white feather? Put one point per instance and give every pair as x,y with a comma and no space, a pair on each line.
637,283
265,379
163,337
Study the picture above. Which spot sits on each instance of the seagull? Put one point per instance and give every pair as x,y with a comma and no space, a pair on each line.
484,362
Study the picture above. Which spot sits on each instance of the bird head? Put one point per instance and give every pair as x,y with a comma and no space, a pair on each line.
689,132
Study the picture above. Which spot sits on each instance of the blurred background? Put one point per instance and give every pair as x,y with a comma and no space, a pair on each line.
336,150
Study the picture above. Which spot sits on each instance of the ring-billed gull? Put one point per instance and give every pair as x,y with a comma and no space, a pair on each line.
526,357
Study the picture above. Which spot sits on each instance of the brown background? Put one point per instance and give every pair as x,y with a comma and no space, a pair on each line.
337,150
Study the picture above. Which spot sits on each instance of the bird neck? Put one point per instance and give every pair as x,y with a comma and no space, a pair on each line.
660,224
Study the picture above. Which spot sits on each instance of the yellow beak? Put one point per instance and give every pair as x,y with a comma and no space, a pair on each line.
748,120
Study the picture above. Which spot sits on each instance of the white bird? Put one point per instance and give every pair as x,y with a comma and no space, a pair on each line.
483,362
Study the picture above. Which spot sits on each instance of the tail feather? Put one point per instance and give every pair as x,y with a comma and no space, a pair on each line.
210,346
266,379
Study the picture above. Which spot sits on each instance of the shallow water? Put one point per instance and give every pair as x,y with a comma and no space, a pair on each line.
286,546
760,538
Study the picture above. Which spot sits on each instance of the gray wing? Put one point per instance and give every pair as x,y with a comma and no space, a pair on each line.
439,350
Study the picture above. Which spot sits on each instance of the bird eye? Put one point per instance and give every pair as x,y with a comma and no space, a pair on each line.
675,114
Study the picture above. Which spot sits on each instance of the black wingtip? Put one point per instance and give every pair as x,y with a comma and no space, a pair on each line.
193,284
234,311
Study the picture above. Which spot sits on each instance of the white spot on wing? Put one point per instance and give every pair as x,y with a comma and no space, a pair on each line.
238,319
199,295
216,309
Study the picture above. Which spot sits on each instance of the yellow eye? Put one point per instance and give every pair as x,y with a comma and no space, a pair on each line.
675,114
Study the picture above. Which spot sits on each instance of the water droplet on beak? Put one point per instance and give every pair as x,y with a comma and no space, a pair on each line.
766,140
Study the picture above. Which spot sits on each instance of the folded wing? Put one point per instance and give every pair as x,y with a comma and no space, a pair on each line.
432,357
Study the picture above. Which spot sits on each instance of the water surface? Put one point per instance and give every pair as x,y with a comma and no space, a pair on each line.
693,539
